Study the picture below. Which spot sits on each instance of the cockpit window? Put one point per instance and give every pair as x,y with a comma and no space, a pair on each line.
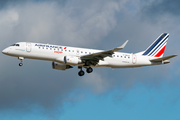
15,45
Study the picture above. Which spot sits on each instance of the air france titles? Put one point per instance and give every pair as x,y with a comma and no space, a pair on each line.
51,46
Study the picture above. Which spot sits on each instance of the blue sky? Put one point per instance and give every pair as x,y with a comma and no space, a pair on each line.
36,91
138,103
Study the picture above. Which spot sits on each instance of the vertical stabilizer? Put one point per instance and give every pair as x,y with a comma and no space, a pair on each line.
156,49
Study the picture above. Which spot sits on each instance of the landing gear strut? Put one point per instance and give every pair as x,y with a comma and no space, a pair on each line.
21,59
87,63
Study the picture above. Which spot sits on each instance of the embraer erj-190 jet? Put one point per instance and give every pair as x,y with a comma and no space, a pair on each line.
64,57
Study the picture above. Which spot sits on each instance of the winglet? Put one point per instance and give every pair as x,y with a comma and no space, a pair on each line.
121,47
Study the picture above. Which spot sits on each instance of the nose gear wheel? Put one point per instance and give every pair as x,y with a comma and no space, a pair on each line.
20,64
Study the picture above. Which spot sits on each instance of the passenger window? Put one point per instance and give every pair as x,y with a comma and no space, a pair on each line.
117,55
47,48
17,44
69,50
50,48
39,47
81,51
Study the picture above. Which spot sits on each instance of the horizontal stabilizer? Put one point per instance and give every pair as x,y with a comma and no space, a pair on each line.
163,58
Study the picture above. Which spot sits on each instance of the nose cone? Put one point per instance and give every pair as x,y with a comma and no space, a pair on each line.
5,51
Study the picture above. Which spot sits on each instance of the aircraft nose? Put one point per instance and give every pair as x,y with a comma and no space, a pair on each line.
5,51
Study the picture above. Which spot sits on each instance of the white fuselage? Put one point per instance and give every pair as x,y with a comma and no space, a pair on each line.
56,53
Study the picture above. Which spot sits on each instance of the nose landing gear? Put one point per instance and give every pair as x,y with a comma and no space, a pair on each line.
21,59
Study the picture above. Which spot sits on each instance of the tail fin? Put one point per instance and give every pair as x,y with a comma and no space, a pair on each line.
156,49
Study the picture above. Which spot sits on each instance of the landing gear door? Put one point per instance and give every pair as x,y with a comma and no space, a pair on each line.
28,47
134,59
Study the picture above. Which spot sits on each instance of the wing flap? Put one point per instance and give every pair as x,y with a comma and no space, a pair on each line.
163,58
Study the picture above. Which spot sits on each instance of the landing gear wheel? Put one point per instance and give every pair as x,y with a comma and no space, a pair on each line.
20,64
81,73
89,70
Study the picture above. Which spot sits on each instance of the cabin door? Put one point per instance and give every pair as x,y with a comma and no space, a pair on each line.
28,47
134,59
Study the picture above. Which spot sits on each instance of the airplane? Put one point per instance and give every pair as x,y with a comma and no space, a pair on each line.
65,57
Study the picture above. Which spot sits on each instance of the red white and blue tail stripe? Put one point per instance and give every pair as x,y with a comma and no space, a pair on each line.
156,49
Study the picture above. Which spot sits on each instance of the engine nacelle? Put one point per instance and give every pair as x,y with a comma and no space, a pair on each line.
59,66
71,60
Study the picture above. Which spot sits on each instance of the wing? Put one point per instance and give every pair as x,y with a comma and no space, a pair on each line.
94,58
163,58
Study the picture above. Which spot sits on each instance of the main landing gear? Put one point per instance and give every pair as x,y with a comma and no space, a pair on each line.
81,72
21,59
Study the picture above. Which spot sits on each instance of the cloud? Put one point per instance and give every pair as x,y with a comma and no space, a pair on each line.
154,10
69,24
97,84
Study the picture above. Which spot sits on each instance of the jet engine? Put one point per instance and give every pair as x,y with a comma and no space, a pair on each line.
71,60
59,66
